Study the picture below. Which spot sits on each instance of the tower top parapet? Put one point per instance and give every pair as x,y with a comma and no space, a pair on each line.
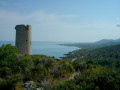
22,27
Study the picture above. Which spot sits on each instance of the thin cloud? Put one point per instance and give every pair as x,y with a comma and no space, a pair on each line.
67,16
50,27
118,19
41,22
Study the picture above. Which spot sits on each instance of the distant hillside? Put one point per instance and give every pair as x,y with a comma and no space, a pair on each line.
109,52
105,41
101,43
108,41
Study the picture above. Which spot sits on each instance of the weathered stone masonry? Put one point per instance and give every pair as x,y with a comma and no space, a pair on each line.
24,39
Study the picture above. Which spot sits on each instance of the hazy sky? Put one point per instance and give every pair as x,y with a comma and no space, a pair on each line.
62,20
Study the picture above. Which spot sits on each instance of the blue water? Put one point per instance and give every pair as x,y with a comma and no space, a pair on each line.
47,48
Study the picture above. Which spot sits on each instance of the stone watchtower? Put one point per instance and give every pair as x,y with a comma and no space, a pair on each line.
23,39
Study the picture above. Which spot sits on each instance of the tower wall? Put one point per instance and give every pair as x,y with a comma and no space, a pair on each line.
23,39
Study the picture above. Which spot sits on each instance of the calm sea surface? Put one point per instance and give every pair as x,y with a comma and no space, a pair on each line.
47,48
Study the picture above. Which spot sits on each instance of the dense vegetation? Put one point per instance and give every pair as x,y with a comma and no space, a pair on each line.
16,69
96,79
84,69
99,69
106,56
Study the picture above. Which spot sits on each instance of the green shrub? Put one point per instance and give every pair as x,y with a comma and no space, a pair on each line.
70,67
10,82
5,71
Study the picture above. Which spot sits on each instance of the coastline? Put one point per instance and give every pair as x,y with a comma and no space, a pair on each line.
72,52
48,48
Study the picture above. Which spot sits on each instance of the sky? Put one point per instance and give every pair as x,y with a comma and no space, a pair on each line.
61,20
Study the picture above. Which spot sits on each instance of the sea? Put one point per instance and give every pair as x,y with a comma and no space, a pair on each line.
47,48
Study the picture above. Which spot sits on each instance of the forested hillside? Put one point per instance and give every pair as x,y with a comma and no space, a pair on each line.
99,69
104,56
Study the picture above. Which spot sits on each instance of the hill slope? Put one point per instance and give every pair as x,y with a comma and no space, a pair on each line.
100,69
113,52
101,43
